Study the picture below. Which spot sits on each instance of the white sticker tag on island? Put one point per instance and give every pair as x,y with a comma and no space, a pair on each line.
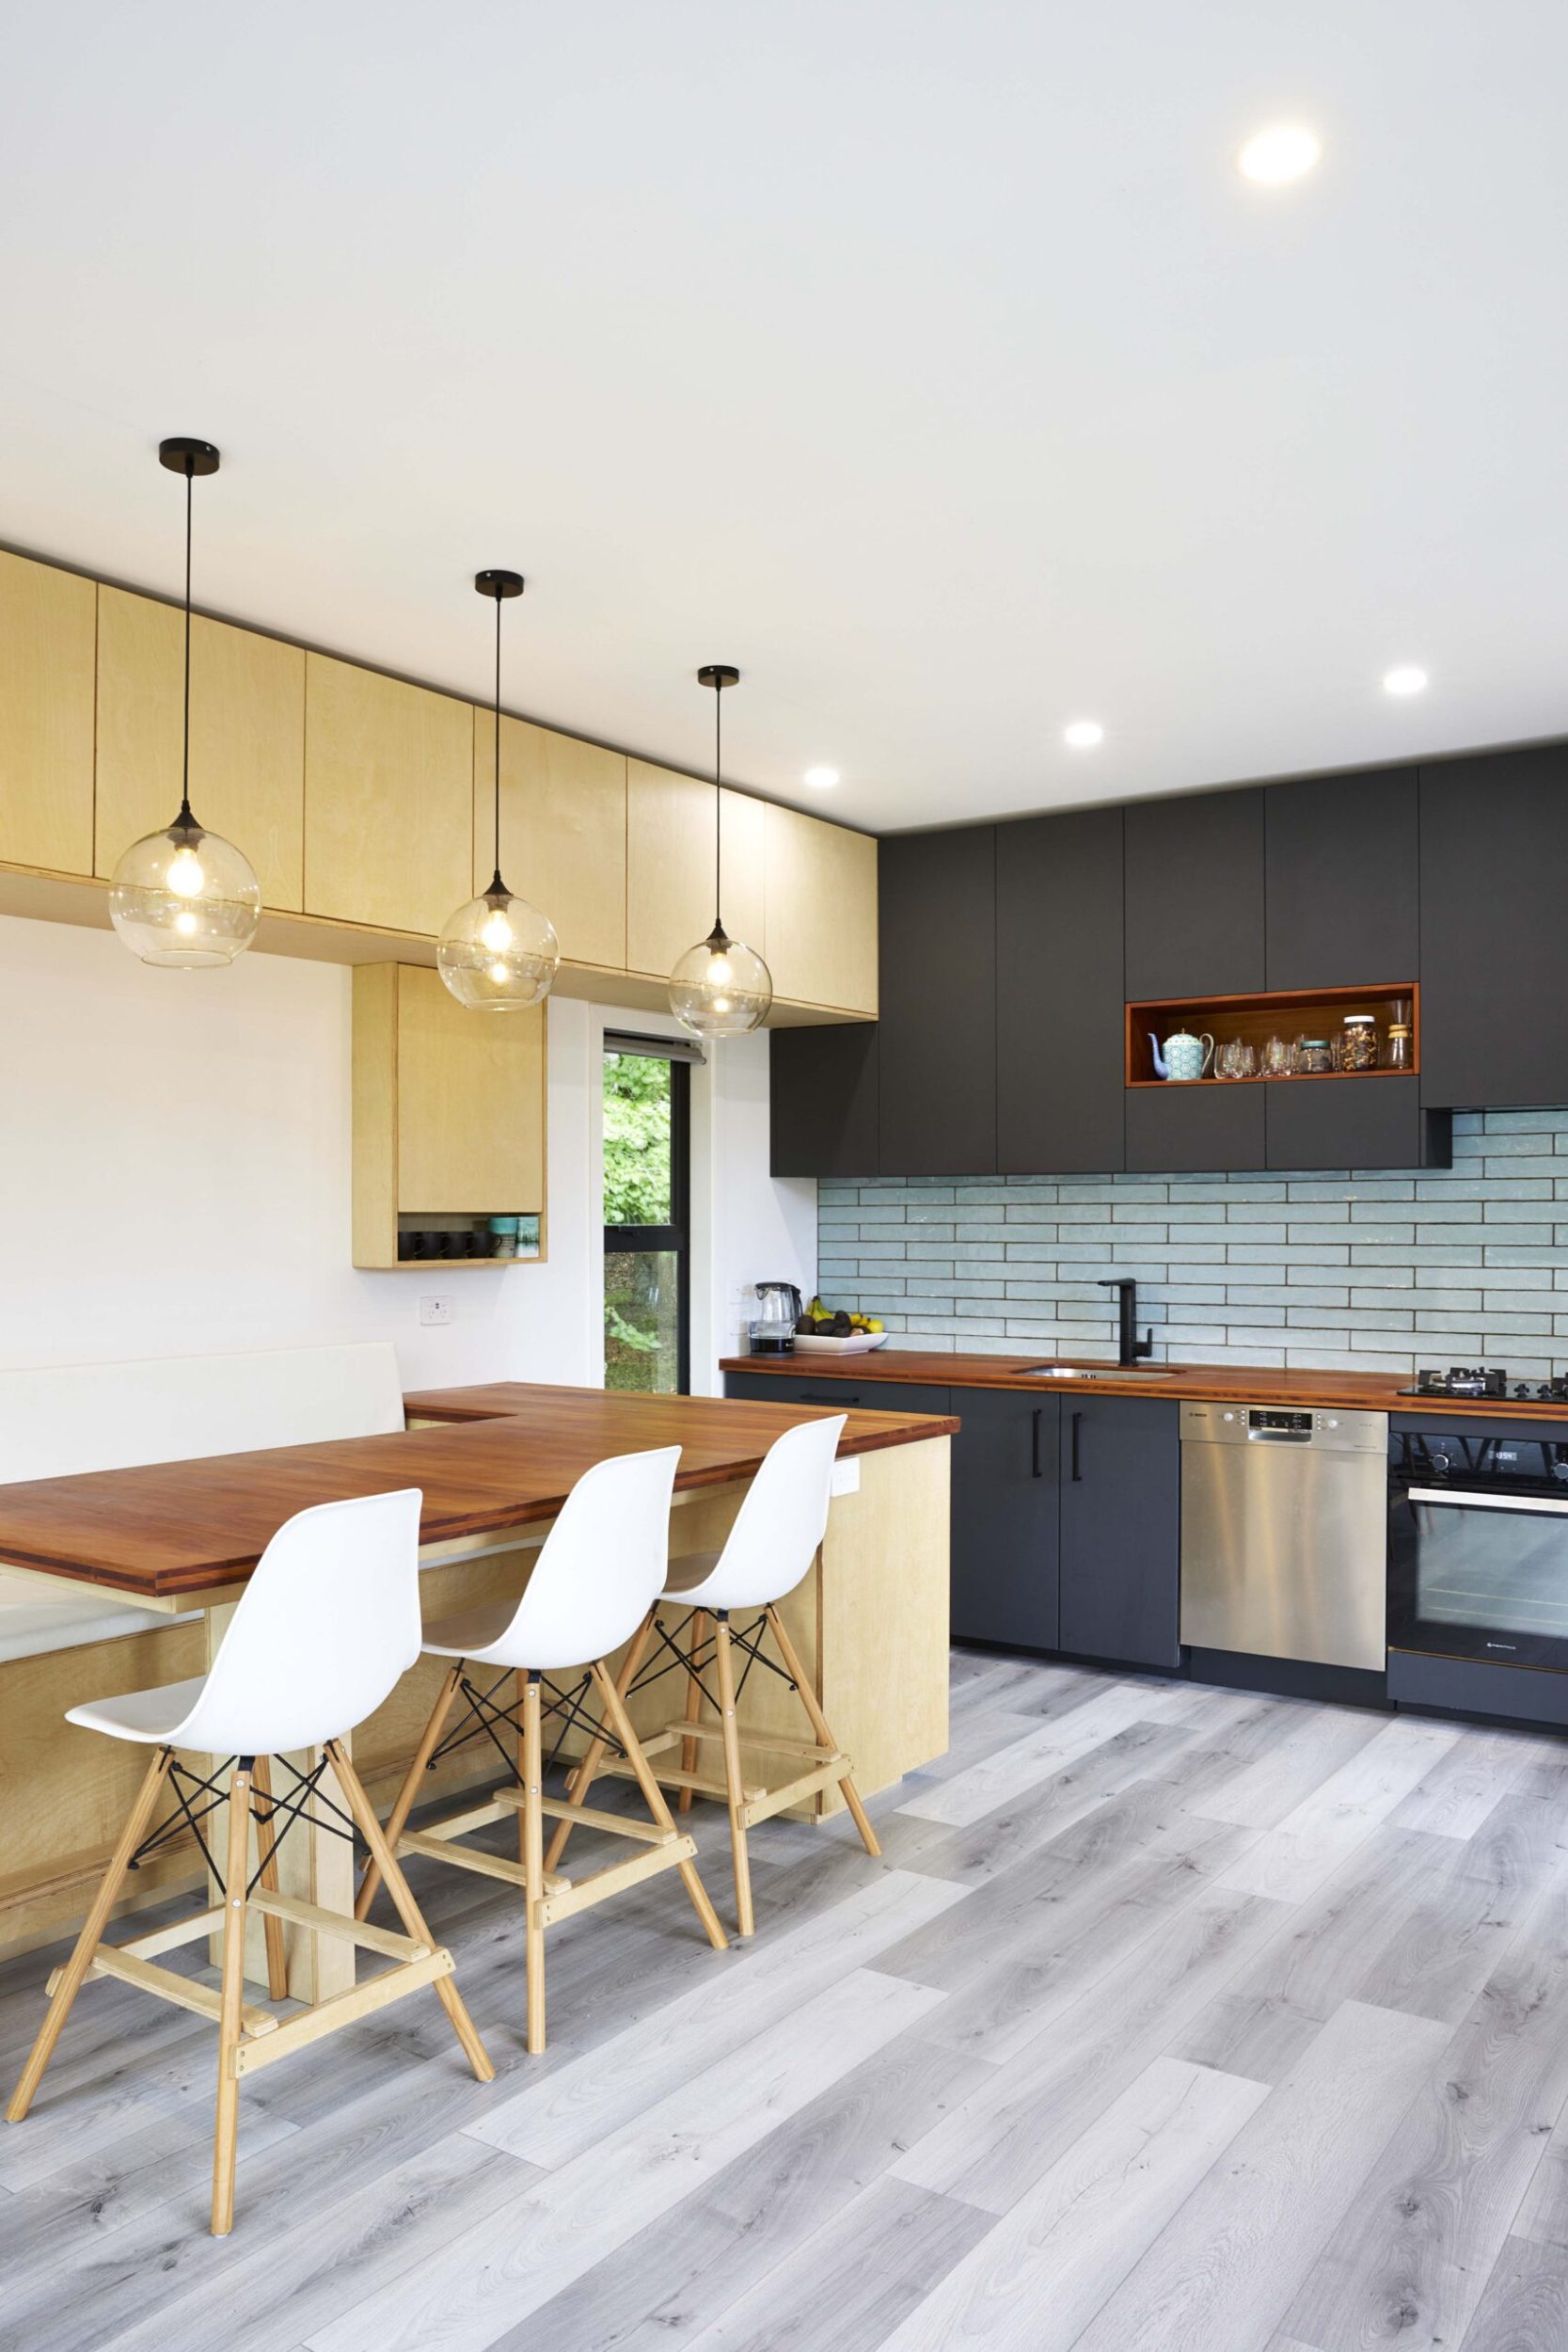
847,1477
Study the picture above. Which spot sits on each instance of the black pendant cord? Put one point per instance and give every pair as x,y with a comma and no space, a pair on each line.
185,822
498,888
717,807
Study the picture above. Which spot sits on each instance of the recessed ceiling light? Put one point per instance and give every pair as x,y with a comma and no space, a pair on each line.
1283,152
1083,734
1405,678
821,779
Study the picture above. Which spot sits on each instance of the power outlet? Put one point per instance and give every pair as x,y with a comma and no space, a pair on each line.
436,1310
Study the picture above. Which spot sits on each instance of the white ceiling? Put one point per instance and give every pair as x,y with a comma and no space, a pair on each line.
929,361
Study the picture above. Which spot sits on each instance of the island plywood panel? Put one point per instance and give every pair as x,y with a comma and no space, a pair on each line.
563,832
47,625
248,738
821,912
470,1103
671,840
388,799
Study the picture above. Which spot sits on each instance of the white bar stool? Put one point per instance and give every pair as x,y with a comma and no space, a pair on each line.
777,1530
323,1629
597,1570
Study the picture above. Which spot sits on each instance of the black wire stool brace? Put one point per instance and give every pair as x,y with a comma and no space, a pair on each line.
703,1651
249,2037
548,1896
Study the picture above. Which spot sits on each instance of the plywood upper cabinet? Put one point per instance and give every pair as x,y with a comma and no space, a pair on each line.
821,912
743,852
449,1107
248,738
670,838
564,833
388,798
47,622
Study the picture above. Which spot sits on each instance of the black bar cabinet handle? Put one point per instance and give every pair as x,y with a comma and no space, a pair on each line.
1077,1456
1034,1469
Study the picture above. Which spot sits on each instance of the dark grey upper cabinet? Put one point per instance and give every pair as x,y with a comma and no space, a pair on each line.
822,1090
1343,891
1495,930
1194,895
1196,1130
1354,1123
937,1080
1059,1041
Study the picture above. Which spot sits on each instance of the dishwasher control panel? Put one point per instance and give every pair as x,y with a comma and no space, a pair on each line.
1348,1432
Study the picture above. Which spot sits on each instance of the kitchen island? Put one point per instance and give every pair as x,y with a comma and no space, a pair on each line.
495,1464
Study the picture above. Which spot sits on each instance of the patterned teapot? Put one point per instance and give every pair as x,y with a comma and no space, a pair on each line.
1183,1055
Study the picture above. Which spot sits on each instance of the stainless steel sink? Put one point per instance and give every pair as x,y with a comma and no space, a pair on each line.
1098,1372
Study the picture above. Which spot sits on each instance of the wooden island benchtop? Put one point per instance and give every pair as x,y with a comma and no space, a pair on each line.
498,1457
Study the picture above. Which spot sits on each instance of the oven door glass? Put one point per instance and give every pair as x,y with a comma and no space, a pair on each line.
1478,1565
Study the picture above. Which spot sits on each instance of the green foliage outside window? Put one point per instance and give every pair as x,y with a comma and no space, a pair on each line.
637,1094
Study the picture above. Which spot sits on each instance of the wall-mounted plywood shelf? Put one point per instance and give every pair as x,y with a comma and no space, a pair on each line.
1288,1014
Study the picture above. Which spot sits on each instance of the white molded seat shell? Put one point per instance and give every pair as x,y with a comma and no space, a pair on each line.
777,1529
599,1573
328,1624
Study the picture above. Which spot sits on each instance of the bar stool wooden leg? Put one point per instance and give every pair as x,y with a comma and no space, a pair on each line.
819,1725
236,1869
533,1862
580,1781
398,1818
522,1762
74,1973
266,1849
731,1729
653,1797
409,1910
696,1627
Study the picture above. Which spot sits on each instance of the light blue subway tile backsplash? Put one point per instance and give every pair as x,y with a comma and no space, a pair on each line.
1378,1272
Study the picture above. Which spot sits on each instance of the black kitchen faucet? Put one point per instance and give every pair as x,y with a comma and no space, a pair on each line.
1129,1348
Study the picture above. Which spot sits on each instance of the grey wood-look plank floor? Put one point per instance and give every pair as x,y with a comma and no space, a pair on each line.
1172,2019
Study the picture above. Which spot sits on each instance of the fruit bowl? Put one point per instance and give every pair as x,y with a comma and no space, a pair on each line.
857,1343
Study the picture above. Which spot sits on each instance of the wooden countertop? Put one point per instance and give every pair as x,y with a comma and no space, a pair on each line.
1227,1384
506,1455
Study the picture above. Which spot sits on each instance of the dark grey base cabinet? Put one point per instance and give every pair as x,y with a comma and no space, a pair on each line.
1527,1695
1120,1524
871,1396
1005,1519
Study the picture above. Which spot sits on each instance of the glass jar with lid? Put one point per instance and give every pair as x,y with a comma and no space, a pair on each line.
1358,1041
1314,1057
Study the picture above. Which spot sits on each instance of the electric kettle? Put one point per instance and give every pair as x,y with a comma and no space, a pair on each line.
774,1328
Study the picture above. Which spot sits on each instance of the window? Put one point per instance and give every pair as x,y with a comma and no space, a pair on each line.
648,1091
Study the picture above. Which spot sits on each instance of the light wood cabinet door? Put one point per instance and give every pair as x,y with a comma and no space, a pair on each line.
564,833
47,621
743,850
248,738
671,840
388,799
471,1119
821,912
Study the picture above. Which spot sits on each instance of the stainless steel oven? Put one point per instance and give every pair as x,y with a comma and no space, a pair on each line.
1478,1541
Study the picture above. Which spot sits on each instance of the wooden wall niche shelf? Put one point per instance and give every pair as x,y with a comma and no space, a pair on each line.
449,1116
1288,1013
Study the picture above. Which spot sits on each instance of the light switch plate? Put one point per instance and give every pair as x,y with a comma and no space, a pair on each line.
436,1309
847,1477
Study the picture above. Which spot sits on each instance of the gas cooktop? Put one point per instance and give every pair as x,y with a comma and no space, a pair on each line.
1492,1382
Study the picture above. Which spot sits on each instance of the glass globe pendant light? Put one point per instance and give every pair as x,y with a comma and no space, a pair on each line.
498,954
186,898
720,987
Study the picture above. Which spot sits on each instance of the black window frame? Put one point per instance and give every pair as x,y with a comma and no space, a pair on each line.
674,1238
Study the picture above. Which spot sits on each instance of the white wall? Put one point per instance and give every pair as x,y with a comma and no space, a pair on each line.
174,1177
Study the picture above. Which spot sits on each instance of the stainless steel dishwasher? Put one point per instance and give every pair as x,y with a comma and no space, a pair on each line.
1284,1542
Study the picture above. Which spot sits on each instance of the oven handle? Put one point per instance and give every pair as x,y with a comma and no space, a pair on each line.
1459,1499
